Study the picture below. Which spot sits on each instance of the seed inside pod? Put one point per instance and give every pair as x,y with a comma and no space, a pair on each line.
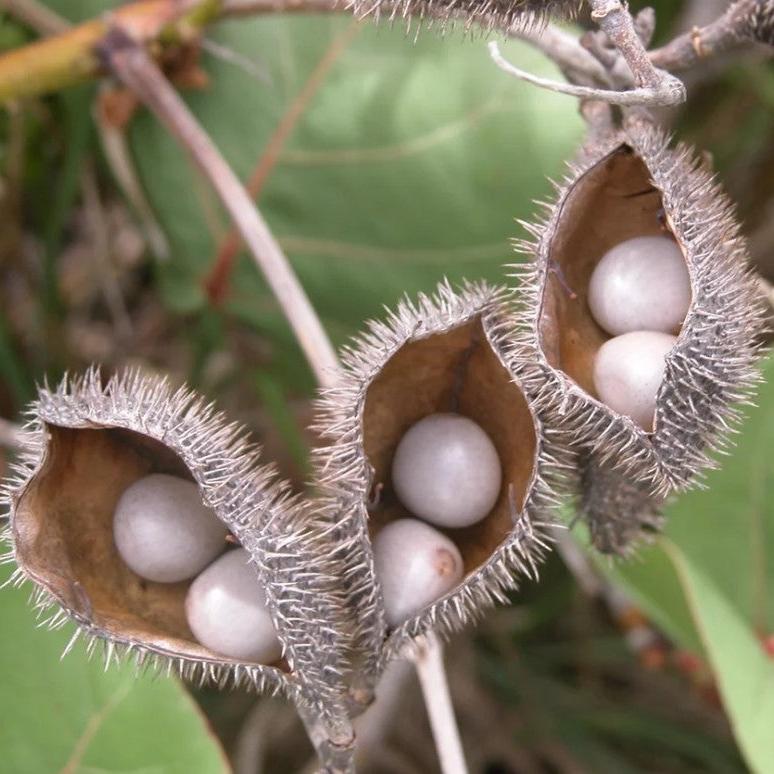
446,471
454,370
628,371
163,530
63,534
641,284
613,203
226,611
415,565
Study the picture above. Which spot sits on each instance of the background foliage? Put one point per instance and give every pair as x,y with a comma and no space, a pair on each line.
407,163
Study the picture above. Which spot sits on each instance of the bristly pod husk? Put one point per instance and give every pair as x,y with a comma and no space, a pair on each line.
633,184
618,510
759,23
447,353
84,445
489,14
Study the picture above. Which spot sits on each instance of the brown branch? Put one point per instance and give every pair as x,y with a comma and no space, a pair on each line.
735,28
216,282
37,16
132,64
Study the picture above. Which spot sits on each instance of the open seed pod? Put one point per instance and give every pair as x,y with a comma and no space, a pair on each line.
618,510
448,353
635,185
760,20
86,443
501,14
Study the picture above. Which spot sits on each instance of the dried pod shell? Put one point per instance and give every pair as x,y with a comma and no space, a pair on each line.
759,21
500,14
635,185
618,510
85,444
446,353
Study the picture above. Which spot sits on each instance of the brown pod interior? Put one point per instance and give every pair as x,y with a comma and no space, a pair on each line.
63,530
453,371
613,201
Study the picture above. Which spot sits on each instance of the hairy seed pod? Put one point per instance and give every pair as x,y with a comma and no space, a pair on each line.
444,354
618,510
501,14
86,445
759,22
635,185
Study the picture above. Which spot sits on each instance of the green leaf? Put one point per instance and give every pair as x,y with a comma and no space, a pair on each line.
744,671
71,716
409,163
726,531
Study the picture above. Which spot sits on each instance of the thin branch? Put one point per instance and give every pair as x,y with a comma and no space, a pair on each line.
111,289
115,147
428,660
646,96
132,64
244,63
37,16
564,49
743,22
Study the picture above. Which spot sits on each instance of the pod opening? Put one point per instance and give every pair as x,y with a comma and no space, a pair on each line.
612,202
455,371
64,538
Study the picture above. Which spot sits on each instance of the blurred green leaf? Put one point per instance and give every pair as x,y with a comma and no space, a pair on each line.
409,164
726,531
744,671
73,717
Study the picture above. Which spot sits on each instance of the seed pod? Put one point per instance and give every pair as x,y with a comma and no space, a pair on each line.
444,354
86,444
502,14
759,22
635,185
618,510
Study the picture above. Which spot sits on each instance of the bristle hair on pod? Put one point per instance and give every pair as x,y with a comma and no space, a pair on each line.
634,184
85,443
488,14
448,352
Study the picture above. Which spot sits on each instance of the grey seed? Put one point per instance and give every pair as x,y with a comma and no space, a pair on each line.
415,565
163,530
641,284
446,470
226,611
628,371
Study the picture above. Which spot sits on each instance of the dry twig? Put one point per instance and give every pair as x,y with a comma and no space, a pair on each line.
132,64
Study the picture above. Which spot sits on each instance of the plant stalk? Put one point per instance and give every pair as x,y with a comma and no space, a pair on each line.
132,64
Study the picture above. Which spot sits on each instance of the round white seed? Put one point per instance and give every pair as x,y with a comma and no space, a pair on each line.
163,531
628,371
226,611
641,284
446,470
415,565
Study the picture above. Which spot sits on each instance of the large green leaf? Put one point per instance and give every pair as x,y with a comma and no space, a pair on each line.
408,164
74,717
745,673
708,581
725,531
